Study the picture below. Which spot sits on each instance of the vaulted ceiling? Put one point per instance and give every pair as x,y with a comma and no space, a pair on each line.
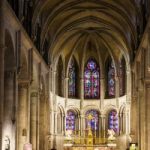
84,28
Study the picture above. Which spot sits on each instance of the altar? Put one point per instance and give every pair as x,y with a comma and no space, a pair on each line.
90,141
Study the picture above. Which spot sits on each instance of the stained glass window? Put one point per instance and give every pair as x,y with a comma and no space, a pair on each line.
92,119
111,79
72,79
113,122
122,78
91,80
70,120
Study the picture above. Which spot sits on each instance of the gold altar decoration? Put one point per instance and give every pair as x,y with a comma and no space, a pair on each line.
90,137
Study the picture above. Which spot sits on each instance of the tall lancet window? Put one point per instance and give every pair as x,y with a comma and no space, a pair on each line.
113,122
111,79
91,80
72,79
70,120
122,77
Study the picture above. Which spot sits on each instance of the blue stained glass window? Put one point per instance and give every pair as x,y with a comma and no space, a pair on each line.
92,119
113,122
70,120
72,79
111,80
91,80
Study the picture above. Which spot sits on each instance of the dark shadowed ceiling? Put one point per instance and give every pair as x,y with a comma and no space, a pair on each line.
83,28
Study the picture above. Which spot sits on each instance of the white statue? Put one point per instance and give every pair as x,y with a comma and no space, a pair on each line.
7,143
111,134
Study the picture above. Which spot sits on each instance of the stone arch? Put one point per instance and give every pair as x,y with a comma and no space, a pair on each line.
60,119
89,107
122,119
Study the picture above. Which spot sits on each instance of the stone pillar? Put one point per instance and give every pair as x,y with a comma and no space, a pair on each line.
54,82
66,88
103,125
33,119
64,124
81,88
2,48
22,115
147,90
120,123
102,92
82,125
9,107
117,89
100,126
79,128
55,122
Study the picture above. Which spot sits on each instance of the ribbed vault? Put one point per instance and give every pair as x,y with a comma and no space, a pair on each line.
82,28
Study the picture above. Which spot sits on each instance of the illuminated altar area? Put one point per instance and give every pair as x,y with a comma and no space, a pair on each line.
98,108
91,140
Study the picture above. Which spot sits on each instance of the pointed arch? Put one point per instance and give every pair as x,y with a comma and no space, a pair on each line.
91,79
110,77
59,77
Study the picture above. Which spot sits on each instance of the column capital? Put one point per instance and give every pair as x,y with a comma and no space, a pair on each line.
82,116
103,116
23,85
34,94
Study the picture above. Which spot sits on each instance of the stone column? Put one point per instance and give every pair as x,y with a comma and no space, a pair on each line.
103,125
117,89
55,122
79,128
102,92
127,121
81,88
9,107
54,82
2,48
66,90
120,123
147,90
33,119
22,114
82,125
100,126
64,124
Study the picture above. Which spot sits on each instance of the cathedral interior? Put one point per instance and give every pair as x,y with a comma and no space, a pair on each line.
74,75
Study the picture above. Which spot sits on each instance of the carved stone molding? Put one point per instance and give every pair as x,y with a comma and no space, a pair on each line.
34,94
23,86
